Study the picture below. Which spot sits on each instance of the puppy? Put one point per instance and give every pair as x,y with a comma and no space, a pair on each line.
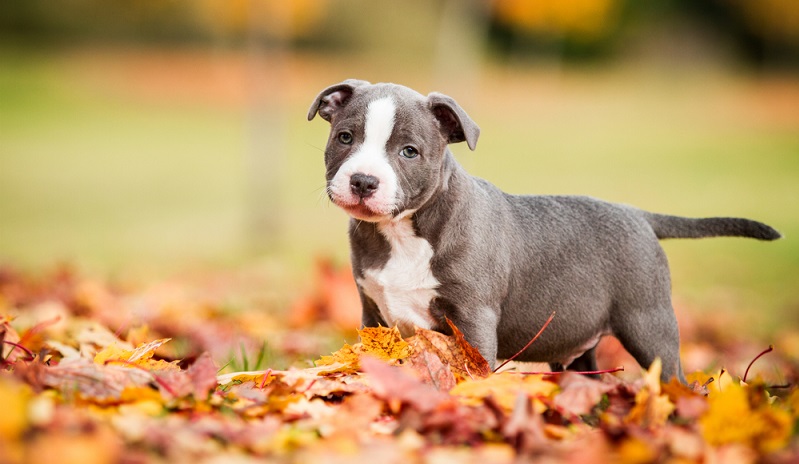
430,242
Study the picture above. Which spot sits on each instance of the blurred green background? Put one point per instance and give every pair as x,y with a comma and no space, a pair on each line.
142,137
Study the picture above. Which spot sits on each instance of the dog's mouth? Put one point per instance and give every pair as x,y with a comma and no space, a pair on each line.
362,212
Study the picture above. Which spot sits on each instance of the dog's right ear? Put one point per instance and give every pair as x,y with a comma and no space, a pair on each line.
333,98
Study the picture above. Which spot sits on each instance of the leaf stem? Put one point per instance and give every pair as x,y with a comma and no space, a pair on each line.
17,345
605,371
767,350
528,343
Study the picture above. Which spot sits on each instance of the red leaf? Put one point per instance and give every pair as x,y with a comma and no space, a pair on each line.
579,394
392,384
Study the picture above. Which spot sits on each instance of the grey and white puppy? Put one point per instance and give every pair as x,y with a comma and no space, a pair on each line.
430,241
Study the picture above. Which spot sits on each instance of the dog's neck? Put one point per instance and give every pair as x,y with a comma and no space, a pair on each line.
447,201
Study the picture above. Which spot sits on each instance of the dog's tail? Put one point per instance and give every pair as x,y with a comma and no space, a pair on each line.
681,227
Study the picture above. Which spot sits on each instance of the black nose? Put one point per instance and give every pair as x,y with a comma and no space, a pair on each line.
363,185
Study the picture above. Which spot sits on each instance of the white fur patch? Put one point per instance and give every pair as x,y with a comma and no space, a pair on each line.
405,286
371,159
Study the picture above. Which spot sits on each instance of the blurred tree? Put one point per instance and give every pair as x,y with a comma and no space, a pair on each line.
567,28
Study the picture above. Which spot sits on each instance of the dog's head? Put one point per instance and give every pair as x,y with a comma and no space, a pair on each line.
386,148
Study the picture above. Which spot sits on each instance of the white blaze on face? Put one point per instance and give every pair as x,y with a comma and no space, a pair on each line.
371,159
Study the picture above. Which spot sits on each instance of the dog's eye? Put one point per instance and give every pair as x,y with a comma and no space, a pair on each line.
409,152
345,138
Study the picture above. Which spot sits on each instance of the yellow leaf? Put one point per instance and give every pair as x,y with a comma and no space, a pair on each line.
793,403
138,394
384,343
111,352
141,356
146,350
652,376
381,342
635,451
504,387
14,418
344,360
243,377
651,408
731,419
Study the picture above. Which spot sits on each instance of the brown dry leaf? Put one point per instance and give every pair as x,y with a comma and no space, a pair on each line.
579,394
464,361
524,429
198,380
689,404
430,369
94,382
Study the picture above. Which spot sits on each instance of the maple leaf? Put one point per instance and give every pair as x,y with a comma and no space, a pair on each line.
731,418
345,360
395,385
198,380
464,360
504,388
524,429
579,394
93,381
651,408
14,418
141,356
430,369
688,403
381,342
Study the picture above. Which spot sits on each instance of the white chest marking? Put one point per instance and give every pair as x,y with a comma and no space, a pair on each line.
404,287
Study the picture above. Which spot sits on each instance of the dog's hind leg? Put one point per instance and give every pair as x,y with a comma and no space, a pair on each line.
648,335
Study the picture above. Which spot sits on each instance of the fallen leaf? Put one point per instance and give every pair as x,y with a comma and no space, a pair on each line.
393,384
731,418
464,361
196,381
141,356
430,369
383,343
651,409
579,394
14,419
346,359
524,429
504,387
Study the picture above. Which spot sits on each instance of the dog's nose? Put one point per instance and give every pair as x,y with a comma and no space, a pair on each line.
363,185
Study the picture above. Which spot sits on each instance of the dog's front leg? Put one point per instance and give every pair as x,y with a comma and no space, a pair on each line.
480,330
370,313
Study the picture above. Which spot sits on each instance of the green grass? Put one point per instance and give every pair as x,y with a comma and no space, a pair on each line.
118,183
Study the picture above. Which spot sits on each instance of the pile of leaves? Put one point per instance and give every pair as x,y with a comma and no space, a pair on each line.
80,381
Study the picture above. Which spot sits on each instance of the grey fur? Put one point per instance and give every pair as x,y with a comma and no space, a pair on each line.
506,262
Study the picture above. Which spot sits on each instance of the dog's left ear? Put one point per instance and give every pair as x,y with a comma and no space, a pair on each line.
333,98
455,123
